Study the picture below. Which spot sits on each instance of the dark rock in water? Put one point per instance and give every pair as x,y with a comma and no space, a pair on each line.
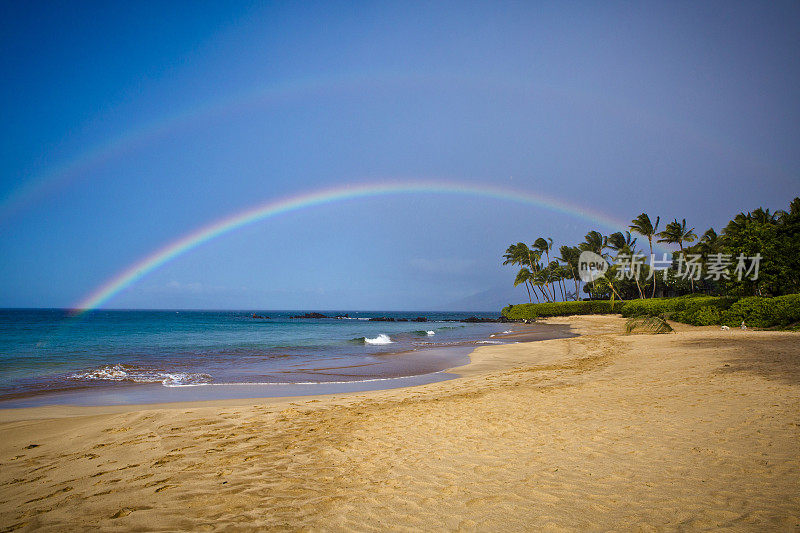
381,319
402,320
260,316
310,315
341,317
474,319
420,319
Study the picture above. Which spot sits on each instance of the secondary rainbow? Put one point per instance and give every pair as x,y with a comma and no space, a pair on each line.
76,168
94,157
327,196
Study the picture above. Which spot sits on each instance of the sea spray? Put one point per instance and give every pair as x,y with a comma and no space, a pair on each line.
126,373
380,339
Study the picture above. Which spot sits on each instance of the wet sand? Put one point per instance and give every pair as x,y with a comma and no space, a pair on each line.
692,430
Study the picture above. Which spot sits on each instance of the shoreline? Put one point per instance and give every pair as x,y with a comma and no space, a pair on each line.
602,431
424,365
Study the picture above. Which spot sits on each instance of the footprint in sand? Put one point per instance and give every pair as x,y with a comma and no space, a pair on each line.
122,512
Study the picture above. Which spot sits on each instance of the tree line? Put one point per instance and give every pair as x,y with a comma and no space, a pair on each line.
549,275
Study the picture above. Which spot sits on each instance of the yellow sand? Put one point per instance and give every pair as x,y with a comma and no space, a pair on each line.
691,430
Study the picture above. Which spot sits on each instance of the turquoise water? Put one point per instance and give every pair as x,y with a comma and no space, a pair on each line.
133,353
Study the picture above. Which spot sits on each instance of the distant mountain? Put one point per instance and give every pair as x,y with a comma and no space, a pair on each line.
493,299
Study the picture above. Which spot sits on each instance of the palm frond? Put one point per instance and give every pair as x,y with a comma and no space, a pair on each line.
647,324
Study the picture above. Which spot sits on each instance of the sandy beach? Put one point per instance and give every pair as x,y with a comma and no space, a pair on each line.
691,430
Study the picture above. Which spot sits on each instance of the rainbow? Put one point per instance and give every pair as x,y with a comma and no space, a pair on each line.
273,208
76,168
69,171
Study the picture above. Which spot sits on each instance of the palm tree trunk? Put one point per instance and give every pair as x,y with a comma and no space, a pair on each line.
691,280
534,292
639,287
614,290
650,239
552,285
543,288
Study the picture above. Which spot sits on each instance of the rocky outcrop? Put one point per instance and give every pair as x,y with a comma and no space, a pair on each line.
310,315
476,320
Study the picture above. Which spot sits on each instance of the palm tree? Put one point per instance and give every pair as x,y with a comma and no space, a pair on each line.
676,233
606,281
763,216
524,277
781,215
644,227
540,279
625,245
520,254
621,243
570,255
596,242
544,246
709,243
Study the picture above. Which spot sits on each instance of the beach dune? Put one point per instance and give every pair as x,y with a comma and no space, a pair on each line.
691,430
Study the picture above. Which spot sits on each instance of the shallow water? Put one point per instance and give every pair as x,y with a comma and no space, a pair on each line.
135,356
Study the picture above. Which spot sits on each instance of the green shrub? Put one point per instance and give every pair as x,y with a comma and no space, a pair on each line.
586,307
705,316
761,312
755,311
697,310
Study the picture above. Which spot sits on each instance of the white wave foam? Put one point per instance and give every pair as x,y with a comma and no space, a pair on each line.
508,331
182,379
123,373
489,342
430,333
260,383
380,339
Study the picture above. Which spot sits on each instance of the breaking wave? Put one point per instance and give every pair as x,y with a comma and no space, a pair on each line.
380,339
126,373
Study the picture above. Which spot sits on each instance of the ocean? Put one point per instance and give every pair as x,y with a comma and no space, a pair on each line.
108,357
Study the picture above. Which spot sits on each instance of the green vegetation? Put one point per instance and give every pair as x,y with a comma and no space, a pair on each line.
779,312
586,307
696,310
755,311
773,237
750,272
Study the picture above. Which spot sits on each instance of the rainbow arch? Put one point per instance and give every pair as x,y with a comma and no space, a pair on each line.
66,172
327,196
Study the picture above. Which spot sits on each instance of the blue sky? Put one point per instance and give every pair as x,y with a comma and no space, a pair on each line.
128,125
